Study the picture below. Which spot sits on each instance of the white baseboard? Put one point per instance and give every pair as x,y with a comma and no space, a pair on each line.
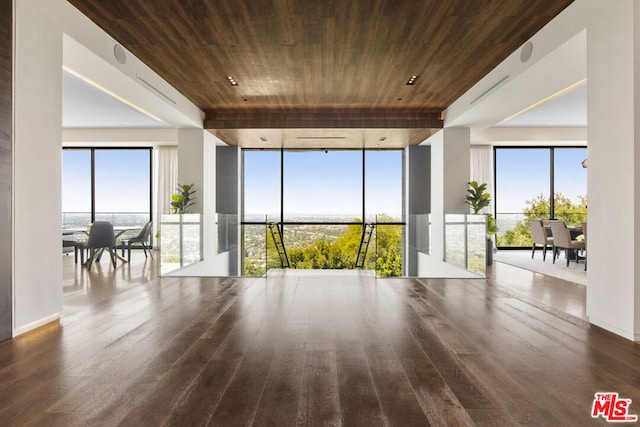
33,325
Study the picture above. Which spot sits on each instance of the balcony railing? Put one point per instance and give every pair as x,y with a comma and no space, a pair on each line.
323,243
514,228
78,220
466,244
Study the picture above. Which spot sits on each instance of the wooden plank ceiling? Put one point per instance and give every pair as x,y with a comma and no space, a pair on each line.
317,64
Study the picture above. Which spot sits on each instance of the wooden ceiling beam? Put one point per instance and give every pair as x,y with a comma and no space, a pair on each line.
320,118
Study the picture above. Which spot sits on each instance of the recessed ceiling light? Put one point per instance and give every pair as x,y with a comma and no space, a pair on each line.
412,80
232,81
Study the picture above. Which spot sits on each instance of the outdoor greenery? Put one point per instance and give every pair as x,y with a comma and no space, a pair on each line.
539,208
383,255
478,199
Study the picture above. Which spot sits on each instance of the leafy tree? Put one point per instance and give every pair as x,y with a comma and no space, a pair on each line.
539,208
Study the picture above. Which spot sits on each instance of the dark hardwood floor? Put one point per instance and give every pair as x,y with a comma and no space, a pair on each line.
312,348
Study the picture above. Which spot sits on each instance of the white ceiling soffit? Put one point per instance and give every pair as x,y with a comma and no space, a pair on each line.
86,106
91,53
568,110
557,61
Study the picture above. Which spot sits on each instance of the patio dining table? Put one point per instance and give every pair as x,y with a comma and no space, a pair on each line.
70,238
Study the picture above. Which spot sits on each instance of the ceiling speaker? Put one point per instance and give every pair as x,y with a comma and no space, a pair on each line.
526,51
120,54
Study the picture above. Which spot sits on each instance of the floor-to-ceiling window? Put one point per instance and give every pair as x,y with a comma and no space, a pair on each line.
106,184
316,200
525,180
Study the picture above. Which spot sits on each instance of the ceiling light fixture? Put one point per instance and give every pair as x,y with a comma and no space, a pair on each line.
547,99
109,92
232,81
412,80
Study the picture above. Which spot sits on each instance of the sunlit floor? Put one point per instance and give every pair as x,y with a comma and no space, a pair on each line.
313,347
574,272
103,281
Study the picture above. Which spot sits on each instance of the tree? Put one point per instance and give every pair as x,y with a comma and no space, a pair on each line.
539,207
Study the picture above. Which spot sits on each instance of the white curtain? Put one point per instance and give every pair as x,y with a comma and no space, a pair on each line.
481,159
166,181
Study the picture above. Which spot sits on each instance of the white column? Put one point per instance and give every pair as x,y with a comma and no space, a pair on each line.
197,165
37,164
449,177
613,176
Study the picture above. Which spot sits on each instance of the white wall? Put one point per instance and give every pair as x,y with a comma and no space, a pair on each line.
613,285
89,51
197,165
37,163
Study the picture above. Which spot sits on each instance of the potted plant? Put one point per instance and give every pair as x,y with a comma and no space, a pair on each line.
478,199
181,200
179,243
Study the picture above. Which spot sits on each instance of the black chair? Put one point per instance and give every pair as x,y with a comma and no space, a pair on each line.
142,238
101,237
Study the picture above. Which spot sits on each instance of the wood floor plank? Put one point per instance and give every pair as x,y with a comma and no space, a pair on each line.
310,348
319,403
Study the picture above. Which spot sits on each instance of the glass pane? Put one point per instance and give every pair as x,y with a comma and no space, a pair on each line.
322,184
261,185
122,186
570,185
323,246
255,250
386,251
383,185
522,191
76,188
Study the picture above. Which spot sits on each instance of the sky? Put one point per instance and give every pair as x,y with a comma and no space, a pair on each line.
316,183
523,174
319,183
122,180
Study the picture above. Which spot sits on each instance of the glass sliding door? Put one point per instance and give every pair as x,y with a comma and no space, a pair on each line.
322,185
383,205
105,184
526,179
261,205
312,203
122,186
570,185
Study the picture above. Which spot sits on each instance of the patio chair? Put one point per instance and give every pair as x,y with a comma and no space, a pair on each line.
101,237
142,238
562,240
539,237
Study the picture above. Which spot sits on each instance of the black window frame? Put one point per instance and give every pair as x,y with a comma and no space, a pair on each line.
92,151
551,149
